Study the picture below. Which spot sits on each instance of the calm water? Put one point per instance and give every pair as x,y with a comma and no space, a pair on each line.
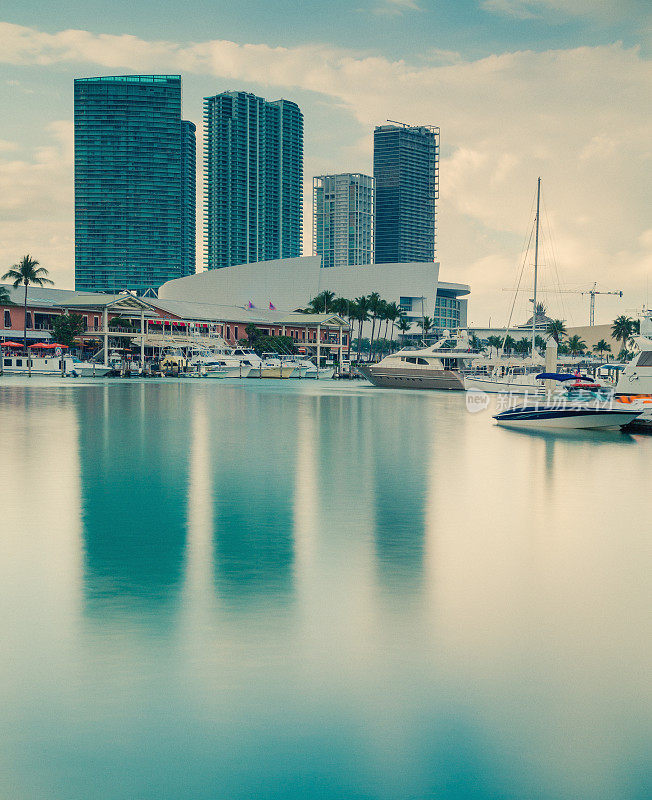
240,590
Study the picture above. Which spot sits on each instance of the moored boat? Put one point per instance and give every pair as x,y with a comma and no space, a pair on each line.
552,415
438,366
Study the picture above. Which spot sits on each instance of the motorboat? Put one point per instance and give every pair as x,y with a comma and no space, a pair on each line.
438,366
323,373
217,363
580,405
88,369
275,367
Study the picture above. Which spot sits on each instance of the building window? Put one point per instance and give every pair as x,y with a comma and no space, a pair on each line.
85,318
7,318
29,319
235,332
96,323
228,331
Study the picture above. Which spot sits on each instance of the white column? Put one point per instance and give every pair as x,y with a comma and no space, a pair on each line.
318,347
339,355
105,328
142,337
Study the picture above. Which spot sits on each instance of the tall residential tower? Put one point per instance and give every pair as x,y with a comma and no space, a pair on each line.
253,186
406,172
343,214
134,183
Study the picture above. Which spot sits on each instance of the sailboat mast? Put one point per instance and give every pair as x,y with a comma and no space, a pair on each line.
536,265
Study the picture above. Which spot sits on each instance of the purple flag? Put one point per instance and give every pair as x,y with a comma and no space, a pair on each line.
250,305
272,306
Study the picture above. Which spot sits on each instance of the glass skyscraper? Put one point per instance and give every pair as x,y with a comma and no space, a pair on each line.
406,173
134,183
342,219
253,187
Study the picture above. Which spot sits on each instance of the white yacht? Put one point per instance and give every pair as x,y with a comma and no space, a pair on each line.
436,367
88,369
275,367
312,371
636,377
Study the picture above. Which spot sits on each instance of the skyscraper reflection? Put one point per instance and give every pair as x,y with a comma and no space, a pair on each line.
400,466
135,478
253,457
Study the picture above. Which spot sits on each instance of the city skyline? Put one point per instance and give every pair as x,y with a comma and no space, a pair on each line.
519,90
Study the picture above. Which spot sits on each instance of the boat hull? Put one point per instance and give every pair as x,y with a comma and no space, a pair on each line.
275,372
323,374
566,418
100,371
406,378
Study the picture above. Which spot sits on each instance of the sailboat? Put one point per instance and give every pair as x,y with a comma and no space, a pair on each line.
508,375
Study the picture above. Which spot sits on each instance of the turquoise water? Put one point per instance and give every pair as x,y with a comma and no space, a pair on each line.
261,589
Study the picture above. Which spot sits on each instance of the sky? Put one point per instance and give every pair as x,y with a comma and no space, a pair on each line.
560,89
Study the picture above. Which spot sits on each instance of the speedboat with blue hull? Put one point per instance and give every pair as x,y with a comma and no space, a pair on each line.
566,414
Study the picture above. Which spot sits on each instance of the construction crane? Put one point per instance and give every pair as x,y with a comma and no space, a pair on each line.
592,292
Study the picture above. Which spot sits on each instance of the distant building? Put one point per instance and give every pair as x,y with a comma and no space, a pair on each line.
406,174
343,215
134,183
253,170
290,284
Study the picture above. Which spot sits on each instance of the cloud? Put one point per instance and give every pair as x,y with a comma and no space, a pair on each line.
533,9
396,7
577,117
36,203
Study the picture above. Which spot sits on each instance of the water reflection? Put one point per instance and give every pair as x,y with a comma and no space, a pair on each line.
219,590
400,467
253,457
40,543
135,481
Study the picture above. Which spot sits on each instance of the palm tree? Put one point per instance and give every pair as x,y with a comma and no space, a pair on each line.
5,298
392,313
374,306
539,342
494,341
344,307
557,329
509,343
622,329
404,325
425,323
576,345
522,346
321,303
602,347
474,342
361,315
27,271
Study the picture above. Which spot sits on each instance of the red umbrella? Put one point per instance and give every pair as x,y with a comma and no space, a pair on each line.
56,344
38,344
11,344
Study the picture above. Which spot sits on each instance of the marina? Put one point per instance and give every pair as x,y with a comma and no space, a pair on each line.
229,574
